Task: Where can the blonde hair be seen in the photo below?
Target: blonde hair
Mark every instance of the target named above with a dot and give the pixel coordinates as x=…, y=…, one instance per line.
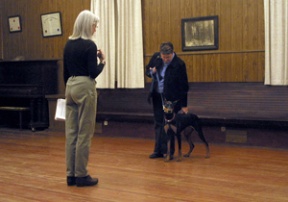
x=83, y=25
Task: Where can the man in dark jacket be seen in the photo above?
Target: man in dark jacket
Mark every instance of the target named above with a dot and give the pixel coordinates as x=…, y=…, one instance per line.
x=170, y=82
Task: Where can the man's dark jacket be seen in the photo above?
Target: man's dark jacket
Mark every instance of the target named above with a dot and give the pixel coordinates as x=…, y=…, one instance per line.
x=175, y=80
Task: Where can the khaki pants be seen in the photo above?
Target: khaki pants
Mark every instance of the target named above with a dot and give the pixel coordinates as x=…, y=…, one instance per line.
x=80, y=121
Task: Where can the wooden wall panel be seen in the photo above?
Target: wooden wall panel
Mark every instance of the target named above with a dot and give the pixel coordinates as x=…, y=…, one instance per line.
x=236, y=25
x=225, y=25
x=29, y=43
x=1, y=33
x=240, y=57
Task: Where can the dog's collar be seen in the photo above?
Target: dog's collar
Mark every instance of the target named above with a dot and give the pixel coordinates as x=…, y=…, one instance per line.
x=170, y=120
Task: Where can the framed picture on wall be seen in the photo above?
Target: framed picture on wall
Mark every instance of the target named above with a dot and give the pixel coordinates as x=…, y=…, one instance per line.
x=51, y=24
x=200, y=33
x=14, y=24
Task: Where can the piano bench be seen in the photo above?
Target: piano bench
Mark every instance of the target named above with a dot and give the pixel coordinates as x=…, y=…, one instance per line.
x=19, y=109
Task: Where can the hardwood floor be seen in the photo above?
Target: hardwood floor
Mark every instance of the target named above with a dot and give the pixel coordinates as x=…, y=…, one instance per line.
x=33, y=169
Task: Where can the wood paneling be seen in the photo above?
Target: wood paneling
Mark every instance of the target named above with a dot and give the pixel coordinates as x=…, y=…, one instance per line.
x=240, y=57
x=30, y=43
x=1, y=33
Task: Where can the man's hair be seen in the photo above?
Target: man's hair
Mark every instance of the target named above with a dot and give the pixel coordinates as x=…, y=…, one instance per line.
x=166, y=48
x=83, y=25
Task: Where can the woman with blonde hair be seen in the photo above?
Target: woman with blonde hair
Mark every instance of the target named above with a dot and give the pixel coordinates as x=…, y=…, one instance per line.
x=81, y=67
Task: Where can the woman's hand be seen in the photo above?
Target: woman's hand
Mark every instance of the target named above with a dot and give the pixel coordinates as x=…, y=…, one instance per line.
x=101, y=56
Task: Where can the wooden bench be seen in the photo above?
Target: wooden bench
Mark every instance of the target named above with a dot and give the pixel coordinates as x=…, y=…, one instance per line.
x=240, y=104
x=221, y=104
x=17, y=109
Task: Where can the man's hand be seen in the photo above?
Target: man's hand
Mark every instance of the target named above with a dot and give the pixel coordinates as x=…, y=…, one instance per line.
x=153, y=70
x=184, y=110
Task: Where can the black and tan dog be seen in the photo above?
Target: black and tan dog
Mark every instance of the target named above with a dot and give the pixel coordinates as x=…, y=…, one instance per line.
x=181, y=124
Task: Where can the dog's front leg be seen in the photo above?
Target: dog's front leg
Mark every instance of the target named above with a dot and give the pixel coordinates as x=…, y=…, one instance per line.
x=166, y=129
x=168, y=136
x=168, y=155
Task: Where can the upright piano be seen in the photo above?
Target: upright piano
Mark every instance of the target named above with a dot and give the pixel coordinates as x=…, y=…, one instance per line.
x=25, y=84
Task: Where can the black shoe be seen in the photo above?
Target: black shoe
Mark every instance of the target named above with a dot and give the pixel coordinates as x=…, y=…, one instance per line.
x=156, y=155
x=71, y=181
x=86, y=181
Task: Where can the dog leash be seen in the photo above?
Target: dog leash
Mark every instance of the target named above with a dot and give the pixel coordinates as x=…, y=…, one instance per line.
x=158, y=80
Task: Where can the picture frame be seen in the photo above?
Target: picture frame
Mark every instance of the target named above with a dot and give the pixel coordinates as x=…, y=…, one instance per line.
x=14, y=23
x=51, y=24
x=200, y=33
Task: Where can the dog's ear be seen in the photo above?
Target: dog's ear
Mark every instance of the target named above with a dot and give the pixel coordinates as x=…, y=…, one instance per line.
x=165, y=100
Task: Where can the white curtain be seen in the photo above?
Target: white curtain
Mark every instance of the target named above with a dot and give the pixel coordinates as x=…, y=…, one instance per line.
x=120, y=36
x=105, y=40
x=276, y=42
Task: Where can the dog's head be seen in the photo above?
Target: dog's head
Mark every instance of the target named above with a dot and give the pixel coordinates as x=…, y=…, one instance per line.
x=168, y=108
